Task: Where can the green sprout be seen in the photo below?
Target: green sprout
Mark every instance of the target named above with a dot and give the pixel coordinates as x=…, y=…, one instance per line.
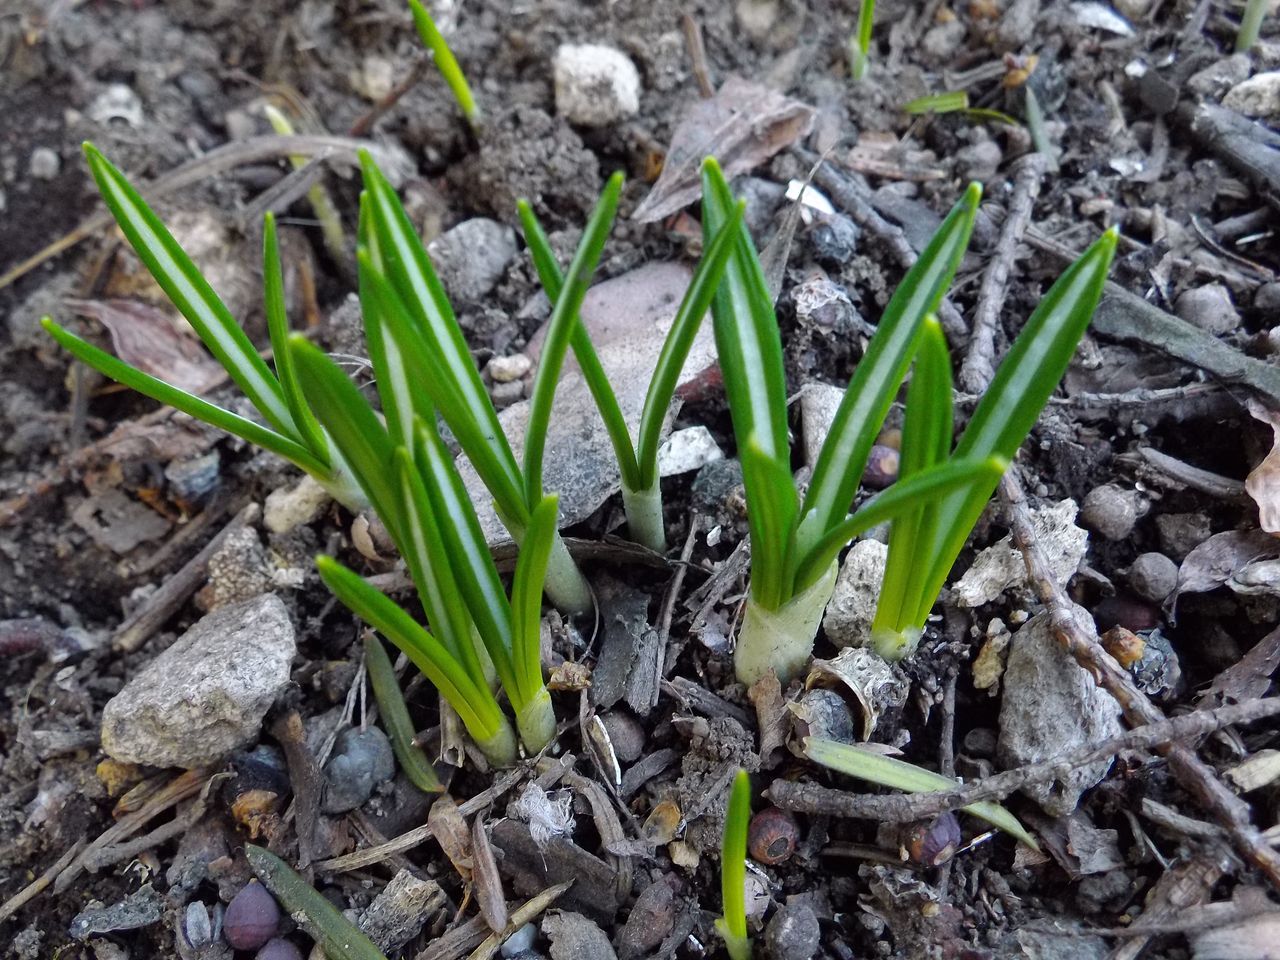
x=638, y=463
x=446, y=63
x=292, y=431
x=948, y=102
x=795, y=544
x=896, y=774
x=425, y=346
x=860, y=41
x=732, y=927
x=1251, y=24
x=924, y=542
x=335, y=239
x=395, y=717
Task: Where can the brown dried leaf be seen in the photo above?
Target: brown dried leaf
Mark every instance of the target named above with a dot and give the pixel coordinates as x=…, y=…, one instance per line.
x=489, y=894
x=742, y=126
x=450, y=831
x=146, y=337
x=771, y=717
x=1263, y=481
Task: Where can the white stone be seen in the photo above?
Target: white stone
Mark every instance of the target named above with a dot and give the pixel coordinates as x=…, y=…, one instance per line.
x=507, y=369
x=206, y=695
x=1052, y=706
x=595, y=85
x=1259, y=96
x=472, y=257
x=1001, y=566
x=288, y=508
x=847, y=621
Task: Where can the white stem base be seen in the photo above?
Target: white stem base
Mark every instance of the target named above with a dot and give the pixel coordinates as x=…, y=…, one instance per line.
x=644, y=517
x=782, y=639
x=500, y=749
x=566, y=586
x=894, y=645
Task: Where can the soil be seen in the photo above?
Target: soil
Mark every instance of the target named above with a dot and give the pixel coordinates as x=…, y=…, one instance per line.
x=103, y=498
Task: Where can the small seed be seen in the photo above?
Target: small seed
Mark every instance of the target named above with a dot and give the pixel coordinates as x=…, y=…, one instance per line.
x=772, y=836
x=251, y=918
x=1125, y=645
x=934, y=842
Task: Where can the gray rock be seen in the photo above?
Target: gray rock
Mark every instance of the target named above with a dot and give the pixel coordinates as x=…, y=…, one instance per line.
x=847, y=621
x=1266, y=299
x=1051, y=706
x=942, y=40
x=979, y=161
x=472, y=257
x=1209, y=308
x=763, y=198
x=207, y=694
x=818, y=405
x=1180, y=533
x=44, y=164
x=834, y=238
x=595, y=85
x=792, y=933
x=1259, y=96
x=1217, y=78
x=575, y=937
x=625, y=734
x=1153, y=576
x=362, y=759
x=824, y=304
x=1110, y=511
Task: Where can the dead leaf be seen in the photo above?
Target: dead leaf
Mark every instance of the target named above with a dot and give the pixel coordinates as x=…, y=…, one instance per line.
x=742, y=126
x=1097, y=850
x=1222, y=557
x=489, y=893
x=147, y=338
x=771, y=717
x=450, y=831
x=878, y=686
x=1263, y=481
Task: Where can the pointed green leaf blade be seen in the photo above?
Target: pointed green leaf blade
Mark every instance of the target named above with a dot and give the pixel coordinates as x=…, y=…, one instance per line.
x=526, y=594
x=182, y=282
x=396, y=719
x=733, y=867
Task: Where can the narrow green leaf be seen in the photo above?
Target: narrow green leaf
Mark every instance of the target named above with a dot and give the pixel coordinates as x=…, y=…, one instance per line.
x=386, y=328
x=191, y=405
x=948, y=102
x=446, y=63
x=900, y=775
x=526, y=595
x=733, y=869
x=395, y=717
x=309, y=431
x=182, y=282
x=771, y=511
x=431, y=567
x=860, y=42
x=472, y=563
x=355, y=430
x=679, y=341
x=615, y=424
x=902, y=497
x=474, y=703
x=843, y=457
x=1025, y=380
x=339, y=937
x=448, y=372
x=564, y=320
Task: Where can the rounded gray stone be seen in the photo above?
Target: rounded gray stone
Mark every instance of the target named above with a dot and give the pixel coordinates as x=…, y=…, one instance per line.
x=206, y=695
x=1153, y=576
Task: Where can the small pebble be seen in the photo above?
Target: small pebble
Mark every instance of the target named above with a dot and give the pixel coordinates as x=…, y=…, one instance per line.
x=649, y=923
x=507, y=369
x=1217, y=78
x=1153, y=576
x=979, y=161
x=1157, y=92
x=595, y=85
x=882, y=467
x=942, y=40
x=506, y=394
x=1266, y=299
x=252, y=917
x=278, y=948
x=362, y=760
x=834, y=238
x=472, y=257
x=824, y=304
x=520, y=941
x=793, y=933
x=1258, y=97
x=625, y=733
x=45, y=163
x=1180, y=533
x=1110, y=511
x=981, y=742
x=1209, y=308
x=1159, y=672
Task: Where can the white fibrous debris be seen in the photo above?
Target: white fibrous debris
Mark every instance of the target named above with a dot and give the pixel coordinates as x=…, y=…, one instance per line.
x=547, y=815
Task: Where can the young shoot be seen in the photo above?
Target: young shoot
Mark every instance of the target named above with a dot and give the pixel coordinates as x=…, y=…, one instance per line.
x=1251, y=24
x=446, y=63
x=425, y=346
x=853, y=761
x=395, y=717
x=413, y=485
x=794, y=544
x=860, y=41
x=638, y=462
x=291, y=431
x=733, y=870
x=925, y=541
